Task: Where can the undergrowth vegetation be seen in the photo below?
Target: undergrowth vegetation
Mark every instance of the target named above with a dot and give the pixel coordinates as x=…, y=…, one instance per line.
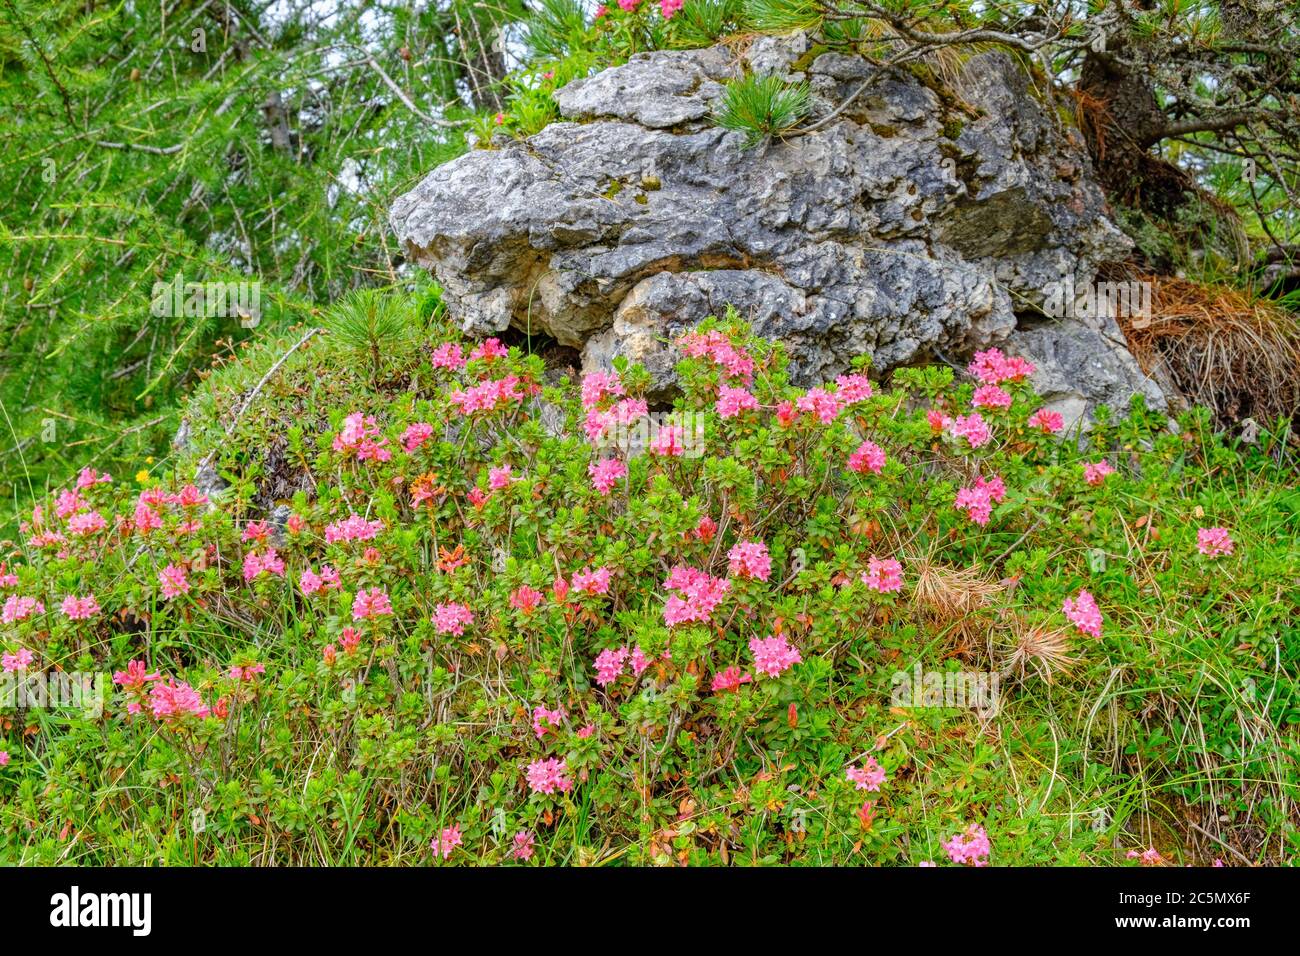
x=448, y=606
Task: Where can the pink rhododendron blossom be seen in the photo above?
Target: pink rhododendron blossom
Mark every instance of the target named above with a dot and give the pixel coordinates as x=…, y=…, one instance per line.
x=992, y=367
x=446, y=841
x=990, y=396
x=730, y=679
x=525, y=598
x=1149, y=857
x=416, y=435
x=749, y=559
x=372, y=602
x=88, y=478
x=489, y=396
x=938, y=421
x=973, y=428
x=490, y=349
x=20, y=660
x=1094, y=474
x=669, y=7
x=449, y=356
x=697, y=595
x=1048, y=422
x=256, y=564
x=499, y=478
x=591, y=582
x=522, y=846
x=818, y=401
x=4, y=758
x=358, y=437
x=87, y=523
x=978, y=499
x=1084, y=613
x=868, y=459
x=668, y=442
x=715, y=346
x=853, y=388
x=773, y=656
x=79, y=608
x=134, y=677
x=1214, y=542
x=20, y=609
x=452, y=618
x=352, y=528
x=605, y=474
x=883, y=575
x=175, y=700
x=545, y=720
x=549, y=776
x=598, y=386
x=609, y=665
x=246, y=672
x=971, y=848
x=867, y=777
x=732, y=401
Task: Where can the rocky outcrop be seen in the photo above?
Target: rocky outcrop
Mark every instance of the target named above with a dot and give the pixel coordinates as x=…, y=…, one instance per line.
x=918, y=220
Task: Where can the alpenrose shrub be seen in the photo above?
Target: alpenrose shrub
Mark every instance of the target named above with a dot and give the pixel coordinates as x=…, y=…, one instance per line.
x=486, y=633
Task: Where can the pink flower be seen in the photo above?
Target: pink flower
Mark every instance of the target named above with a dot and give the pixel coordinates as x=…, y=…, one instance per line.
x=88, y=478
x=883, y=575
x=358, y=437
x=731, y=401
x=544, y=720
x=1149, y=857
x=586, y=731
x=4, y=758
x=749, y=559
x=937, y=420
x=416, y=435
x=488, y=396
x=640, y=661
x=20, y=609
x=489, y=350
x=1095, y=474
x=730, y=679
x=371, y=603
x=971, y=848
x=601, y=11
x=669, y=7
x=867, y=777
x=1048, y=422
x=19, y=661
x=705, y=530
x=449, y=356
x=978, y=499
x=609, y=665
x=853, y=388
x=990, y=396
x=817, y=401
x=774, y=655
x=606, y=473
x=134, y=677
x=352, y=528
x=1214, y=542
x=697, y=595
x=499, y=478
x=668, y=442
x=451, y=618
x=310, y=582
x=175, y=700
x=548, y=776
x=255, y=564
x=599, y=386
x=247, y=671
x=525, y=598
x=992, y=367
x=523, y=846
x=591, y=582
x=446, y=841
x=973, y=428
x=1084, y=614
x=87, y=523
x=79, y=608
x=869, y=457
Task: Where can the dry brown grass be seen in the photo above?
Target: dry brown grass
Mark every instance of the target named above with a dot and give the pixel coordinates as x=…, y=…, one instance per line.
x=1046, y=651
x=1220, y=348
